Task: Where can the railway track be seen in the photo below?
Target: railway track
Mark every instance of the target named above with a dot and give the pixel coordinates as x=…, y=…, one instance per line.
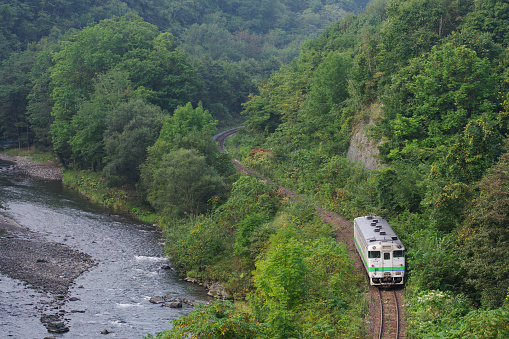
x=221, y=137
x=390, y=314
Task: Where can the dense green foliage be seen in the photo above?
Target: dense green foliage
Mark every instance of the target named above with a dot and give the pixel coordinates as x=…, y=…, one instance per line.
x=128, y=95
x=299, y=282
x=51, y=54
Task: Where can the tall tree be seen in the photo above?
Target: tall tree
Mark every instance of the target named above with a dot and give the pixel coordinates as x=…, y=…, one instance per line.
x=433, y=99
x=14, y=89
x=183, y=184
x=484, y=239
x=132, y=128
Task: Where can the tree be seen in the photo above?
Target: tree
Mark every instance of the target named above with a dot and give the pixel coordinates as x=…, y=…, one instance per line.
x=39, y=104
x=322, y=116
x=14, y=89
x=186, y=120
x=90, y=52
x=433, y=100
x=474, y=151
x=89, y=124
x=490, y=16
x=188, y=128
x=484, y=238
x=281, y=283
x=128, y=44
x=131, y=129
x=183, y=184
x=414, y=26
x=163, y=69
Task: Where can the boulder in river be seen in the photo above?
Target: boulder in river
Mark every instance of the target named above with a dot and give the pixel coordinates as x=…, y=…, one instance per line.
x=173, y=304
x=57, y=327
x=157, y=300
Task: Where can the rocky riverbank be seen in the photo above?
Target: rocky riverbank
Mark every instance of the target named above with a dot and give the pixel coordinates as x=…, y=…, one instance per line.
x=42, y=265
x=48, y=171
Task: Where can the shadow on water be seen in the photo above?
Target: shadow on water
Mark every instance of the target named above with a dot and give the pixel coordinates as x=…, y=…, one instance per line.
x=113, y=295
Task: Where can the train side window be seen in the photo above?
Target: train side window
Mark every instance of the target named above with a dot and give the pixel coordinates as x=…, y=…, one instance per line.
x=387, y=256
x=373, y=254
x=398, y=254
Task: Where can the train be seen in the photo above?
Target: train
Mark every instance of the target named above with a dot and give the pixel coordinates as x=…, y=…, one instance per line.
x=381, y=251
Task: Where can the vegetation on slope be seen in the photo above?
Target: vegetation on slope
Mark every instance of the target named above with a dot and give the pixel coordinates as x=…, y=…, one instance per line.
x=439, y=73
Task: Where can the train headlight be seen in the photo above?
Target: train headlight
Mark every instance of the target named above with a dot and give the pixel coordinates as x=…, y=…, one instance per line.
x=399, y=246
x=374, y=247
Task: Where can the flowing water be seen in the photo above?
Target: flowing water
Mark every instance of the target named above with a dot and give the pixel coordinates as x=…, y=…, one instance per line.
x=114, y=294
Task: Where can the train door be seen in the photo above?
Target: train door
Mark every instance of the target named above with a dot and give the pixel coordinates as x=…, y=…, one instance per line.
x=387, y=261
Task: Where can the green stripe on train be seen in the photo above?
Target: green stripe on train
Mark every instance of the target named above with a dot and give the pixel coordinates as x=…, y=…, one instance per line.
x=388, y=269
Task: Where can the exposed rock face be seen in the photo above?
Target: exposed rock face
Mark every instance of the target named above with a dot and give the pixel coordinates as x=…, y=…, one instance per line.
x=362, y=149
x=218, y=291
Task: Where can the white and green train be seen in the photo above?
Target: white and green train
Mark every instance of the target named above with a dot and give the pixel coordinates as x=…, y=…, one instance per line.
x=381, y=251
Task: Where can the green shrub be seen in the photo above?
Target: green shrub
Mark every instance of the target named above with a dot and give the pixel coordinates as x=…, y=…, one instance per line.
x=183, y=184
x=195, y=243
x=433, y=311
x=219, y=320
x=486, y=324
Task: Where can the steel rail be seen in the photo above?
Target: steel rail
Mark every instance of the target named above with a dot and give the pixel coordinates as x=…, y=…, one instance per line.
x=397, y=313
x=381, y=315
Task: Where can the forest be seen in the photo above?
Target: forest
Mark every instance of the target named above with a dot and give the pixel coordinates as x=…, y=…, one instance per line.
x=127, y=96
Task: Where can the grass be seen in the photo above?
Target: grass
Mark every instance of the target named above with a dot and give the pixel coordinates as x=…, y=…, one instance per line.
x=35, y=154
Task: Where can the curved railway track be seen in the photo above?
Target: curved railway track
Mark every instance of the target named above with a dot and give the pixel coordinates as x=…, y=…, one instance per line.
x=221, y=137
x=386, y=314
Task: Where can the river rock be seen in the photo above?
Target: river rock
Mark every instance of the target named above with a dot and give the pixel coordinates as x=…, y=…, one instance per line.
x=173, y=304
x=57, y=327
x=157, y=300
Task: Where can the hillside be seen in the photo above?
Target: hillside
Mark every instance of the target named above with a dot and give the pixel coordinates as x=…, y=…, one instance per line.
x=427, y=82
x=230, y=46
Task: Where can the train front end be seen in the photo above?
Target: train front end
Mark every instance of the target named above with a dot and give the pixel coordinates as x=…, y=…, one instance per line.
x=386, y=263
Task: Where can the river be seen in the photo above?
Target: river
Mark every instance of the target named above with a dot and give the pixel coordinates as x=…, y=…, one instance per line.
x=113, y=295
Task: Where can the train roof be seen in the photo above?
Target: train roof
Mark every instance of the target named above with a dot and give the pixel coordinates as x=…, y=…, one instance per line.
x=376, y=229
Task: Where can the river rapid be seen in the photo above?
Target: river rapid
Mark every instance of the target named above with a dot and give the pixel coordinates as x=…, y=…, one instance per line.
x=112, y=295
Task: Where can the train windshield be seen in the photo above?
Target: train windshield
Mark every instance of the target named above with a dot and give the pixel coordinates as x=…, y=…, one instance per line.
x=373, y=254
x=398, y=254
